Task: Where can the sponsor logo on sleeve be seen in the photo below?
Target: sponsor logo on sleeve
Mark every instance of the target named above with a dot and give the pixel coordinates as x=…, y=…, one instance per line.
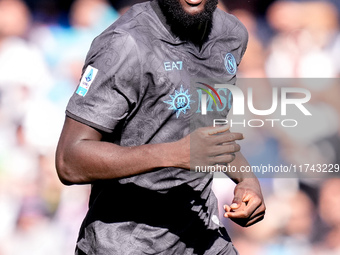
x=86, y=80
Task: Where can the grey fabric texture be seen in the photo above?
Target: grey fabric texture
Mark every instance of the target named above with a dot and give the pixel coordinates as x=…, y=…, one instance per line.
x=140, y=68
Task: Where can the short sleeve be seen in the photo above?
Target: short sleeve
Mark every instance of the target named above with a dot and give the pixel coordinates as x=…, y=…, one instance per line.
x=110, y=84
x=240, y=32
x=244, y=40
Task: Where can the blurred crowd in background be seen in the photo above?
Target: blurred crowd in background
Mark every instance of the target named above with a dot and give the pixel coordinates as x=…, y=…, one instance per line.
x=43, y=45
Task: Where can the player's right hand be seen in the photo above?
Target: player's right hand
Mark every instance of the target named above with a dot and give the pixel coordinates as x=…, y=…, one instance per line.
x=208, y=146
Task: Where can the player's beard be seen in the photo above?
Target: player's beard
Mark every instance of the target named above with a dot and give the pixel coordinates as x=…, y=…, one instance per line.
x=186, y=25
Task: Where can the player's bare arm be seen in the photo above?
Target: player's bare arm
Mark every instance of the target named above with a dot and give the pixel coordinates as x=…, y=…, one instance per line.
x=82, y=157
x=248, y=206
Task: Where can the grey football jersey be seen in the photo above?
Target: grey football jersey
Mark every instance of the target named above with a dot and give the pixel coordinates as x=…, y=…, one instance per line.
x=135, y=88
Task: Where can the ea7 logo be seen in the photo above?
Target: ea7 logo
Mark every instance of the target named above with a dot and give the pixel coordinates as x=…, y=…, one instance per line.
x=171, y=66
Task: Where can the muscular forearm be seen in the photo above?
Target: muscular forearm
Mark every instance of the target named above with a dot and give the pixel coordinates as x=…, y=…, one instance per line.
x=83, y=158
x=239, y=176
x=89, y=161
x=247, y=207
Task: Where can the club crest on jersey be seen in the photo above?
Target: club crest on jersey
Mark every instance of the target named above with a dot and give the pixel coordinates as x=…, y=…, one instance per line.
x=86, y=80
x=179, y=102
x=230, y=63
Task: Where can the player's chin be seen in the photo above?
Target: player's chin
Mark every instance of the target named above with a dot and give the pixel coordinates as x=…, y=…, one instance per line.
x=193, y=7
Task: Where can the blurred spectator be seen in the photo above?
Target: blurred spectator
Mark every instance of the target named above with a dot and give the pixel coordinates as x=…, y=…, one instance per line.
x=65, y=48
x=38, y=72
x=303, y=44
x=123, y=5
x=303, y=47
x=24, y=73
x=23, y=78
x=329, y=211
x=34, y=233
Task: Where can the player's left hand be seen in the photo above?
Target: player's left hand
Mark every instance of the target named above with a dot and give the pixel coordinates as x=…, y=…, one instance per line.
x=247, y=207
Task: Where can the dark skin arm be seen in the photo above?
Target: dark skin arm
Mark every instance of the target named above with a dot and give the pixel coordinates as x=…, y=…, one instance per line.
x=248, y=206
x=82, y=157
